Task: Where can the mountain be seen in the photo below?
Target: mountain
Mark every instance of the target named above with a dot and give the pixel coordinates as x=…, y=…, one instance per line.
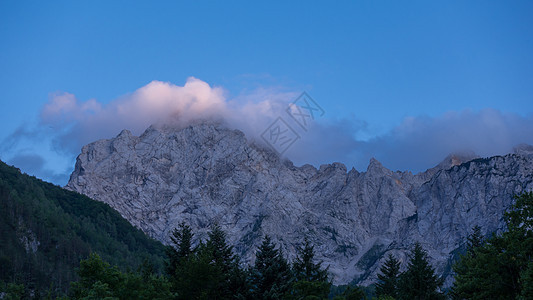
x=206, y=174
x=45, y=231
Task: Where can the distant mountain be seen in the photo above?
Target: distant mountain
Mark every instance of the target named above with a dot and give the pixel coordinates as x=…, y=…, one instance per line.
x=206, y=174
x=45, y=231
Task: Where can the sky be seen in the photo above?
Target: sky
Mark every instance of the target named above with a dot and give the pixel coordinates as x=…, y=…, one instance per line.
x=406, y=83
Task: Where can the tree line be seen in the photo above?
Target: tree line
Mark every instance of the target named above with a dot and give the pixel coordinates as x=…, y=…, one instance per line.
x=497, y=267
x=210, y=270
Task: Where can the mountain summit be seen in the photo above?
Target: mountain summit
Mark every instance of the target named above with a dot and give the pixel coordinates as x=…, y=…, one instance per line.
x=207, y=174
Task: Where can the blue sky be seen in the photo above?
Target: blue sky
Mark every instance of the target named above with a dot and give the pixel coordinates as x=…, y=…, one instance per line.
x=392, y=77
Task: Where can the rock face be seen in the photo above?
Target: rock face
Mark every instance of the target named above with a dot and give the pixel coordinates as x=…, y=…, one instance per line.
x=206, y=174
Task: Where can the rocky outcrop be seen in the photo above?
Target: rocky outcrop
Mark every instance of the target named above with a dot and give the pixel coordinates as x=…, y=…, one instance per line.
x=206, y=174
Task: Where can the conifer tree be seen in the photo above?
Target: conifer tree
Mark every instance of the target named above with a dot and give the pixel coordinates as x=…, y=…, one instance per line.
x=181, y=248
x=231, y=280
x=474, y=240
x=388, y=278
x=419, y=281
x=304, y=266
x=179, y=254
x=221, y=252
x=197, y=275
x=464, y=267
x=270, y=275
x=211, y=271
x=311, y=280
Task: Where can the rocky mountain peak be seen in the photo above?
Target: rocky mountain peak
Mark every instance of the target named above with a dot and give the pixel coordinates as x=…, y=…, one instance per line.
x=207, y=174
x=524, y=150
x=457, y=159
x=374, y=163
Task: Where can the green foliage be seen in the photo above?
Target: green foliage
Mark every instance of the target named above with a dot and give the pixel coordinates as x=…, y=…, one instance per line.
x=100, y=280
x=12, y=291
x=385, y=297
x=182, y=239
x=419, y=281
x=464, y=284
x=311, y=280
x=500, y=267
x=526, y=278
x=178, y=254
x=388, y=278
x=271, y=275
x=45, y=231
x=225, y=265
x=198, y=278
x=304, y=289
x=211, y=271
x=304, y=267
x=474, y=240
x=351, y=293
x=520, y=215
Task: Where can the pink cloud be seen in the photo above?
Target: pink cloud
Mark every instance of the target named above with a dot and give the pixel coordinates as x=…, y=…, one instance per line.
x=156, y=102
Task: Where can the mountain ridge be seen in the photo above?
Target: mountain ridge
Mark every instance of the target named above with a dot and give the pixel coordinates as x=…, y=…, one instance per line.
x=205, y=174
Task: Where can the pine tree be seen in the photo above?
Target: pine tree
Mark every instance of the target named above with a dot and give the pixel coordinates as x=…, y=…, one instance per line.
x=181, y=239
x=311, y=280
x=179, y=255
x=419, y=281
x=221, y=252
x=305, y=268
x=197, y=275
x=231, y=280
x=464, y=267
x=211, y=271
x=270, y=275
x=388, y=278
x=474, y=240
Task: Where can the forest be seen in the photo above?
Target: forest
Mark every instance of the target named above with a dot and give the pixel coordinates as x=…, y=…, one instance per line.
x=45, y=231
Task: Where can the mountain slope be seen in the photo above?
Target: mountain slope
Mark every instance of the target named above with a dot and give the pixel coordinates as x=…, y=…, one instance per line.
x=45, y=231
x=206, y=174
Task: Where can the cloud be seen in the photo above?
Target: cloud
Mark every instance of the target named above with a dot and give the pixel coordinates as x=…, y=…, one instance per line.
x=77, y=123
x=328, y=141
x=418, y=143
x=421, y=142
x=66, y=123
x=34, y=164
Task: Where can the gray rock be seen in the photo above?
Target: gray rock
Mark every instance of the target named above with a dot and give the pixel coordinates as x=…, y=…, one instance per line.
x=206, y=174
